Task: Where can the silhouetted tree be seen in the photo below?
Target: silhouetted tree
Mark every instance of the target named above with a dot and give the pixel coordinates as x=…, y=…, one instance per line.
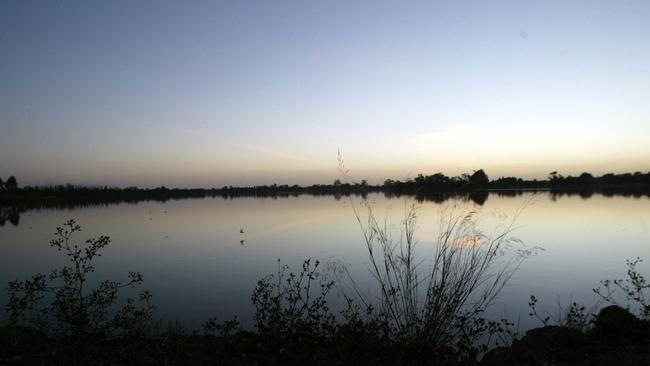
x=479, y=179
x=586, y=176
x=11, y=184
x=2, y=185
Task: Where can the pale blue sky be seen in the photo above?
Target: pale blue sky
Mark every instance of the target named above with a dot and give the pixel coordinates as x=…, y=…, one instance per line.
x=241, y=92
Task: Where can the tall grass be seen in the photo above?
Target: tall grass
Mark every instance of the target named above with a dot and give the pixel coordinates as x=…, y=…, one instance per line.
x=437, y=299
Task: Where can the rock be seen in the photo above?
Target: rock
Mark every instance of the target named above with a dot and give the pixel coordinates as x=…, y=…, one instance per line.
x=539, y=343
x=614, y=322
x=497, y=356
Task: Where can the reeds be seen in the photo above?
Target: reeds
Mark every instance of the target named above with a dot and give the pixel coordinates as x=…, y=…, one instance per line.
x=439, y=299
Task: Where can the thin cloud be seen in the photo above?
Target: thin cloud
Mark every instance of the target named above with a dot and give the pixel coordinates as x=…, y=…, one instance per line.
x=268, y=151
x=451, y=136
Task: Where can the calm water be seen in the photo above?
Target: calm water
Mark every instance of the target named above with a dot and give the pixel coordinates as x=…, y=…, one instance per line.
x=191, y=256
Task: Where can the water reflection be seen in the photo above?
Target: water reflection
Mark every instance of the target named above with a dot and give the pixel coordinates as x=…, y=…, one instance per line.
x=201, y=257
x=10, y=213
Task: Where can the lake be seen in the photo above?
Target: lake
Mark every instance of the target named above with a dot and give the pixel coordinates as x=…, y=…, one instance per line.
x=195, y=263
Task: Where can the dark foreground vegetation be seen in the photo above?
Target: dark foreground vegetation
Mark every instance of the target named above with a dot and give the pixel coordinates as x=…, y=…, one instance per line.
x=419, y=315
x=615, y=338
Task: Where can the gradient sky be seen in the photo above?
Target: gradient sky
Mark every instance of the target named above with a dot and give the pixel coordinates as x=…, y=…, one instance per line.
x=239, y=92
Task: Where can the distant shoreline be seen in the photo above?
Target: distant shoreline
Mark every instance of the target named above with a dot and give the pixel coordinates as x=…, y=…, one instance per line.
x=13, y=205
x=157, y=194
x=436, y=186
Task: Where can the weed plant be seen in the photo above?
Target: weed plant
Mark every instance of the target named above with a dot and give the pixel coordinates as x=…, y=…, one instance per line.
x=62, y=303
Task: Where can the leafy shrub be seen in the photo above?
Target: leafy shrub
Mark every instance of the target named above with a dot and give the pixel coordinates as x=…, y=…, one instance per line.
x=576, y=316
x=634, y=288
x=294, y=303
x=62, y=303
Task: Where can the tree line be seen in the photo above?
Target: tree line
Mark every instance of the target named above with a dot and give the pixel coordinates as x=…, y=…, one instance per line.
x=422, y=185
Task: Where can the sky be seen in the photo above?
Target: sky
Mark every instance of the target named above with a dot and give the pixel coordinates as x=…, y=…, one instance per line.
x=213, y=93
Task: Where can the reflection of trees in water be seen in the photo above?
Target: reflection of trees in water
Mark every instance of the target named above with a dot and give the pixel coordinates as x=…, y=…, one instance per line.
x=11, y=212
x=478, y=197
x=606, y=192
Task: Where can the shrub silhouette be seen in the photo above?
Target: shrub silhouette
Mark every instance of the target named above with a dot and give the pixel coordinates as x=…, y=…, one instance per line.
x=634, y=287
x=575, y=316
x=434, y=309
x=61, y=303
x=291, y=304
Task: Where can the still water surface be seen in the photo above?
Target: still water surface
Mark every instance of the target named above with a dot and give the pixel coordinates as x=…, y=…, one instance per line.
x=194, y=262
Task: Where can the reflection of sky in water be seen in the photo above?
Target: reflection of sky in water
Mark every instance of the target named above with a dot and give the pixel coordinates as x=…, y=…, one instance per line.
x=192, y=259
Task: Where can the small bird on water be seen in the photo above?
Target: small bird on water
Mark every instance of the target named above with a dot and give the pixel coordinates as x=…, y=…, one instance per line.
x=241, y=231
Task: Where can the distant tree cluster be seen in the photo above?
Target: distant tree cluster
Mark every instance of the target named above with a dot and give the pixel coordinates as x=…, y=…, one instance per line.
x=438, y=182
x=517, y=183
x=336, y=188
x=105, y=193
x=11, y=185
x=587, y=180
